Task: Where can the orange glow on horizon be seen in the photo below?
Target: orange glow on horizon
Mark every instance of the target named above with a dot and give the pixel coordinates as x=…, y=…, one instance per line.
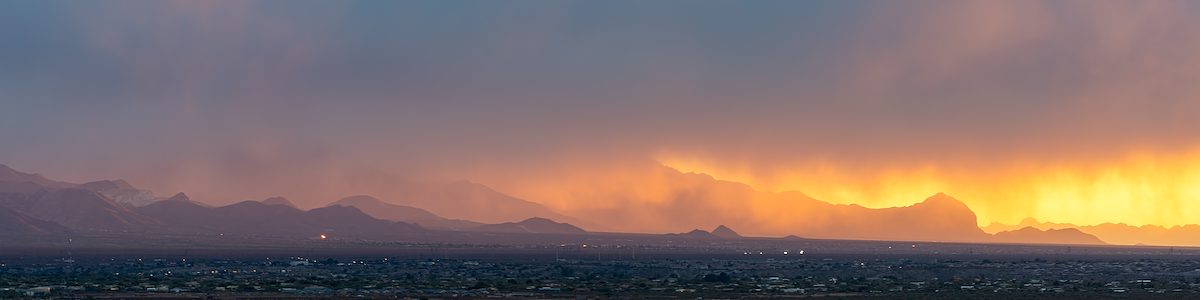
x=1138, y=189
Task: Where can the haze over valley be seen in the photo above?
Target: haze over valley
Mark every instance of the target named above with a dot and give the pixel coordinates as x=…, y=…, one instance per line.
x=36, y=205
x=618, y=149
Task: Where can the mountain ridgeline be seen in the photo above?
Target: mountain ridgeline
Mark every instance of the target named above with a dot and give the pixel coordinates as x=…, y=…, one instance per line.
x=31, y=204
x=402, y=213
x=1117, y=233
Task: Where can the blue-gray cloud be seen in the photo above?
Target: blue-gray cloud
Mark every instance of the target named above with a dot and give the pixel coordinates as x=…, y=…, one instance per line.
x=146, y=87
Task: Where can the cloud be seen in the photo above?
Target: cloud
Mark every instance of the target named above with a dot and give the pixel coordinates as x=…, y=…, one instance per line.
x=874, y=103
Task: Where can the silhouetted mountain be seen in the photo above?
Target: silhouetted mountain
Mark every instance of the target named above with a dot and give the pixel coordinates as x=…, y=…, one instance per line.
x=9, y=175
x=681, y=201
x=13, y=222
x=30, y=203
x=696, y=233
x=13, y=181
x=38, y=203
x=401, y=213
x=467, y=200
x=76, y=208
x=179, y=211
x=996, y=227
x=726, y=233
x=253, y=217
x=1123, y=234
x=1030, y=235
x=104, y=185
x=20, y=187
x=121, y=192
x=346, y=220
x=938, y=218
x=278, y=201
x=531, y=225
x=179, y=197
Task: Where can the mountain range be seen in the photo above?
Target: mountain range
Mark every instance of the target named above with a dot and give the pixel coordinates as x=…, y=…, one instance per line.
x=1032, y=235
x=725, y=232
x=76, y=208
x=402, y=213
x=466, y=200
x=14, y=222
x=689, y=200
x=721, y=232
x=1119, y=233
x=33, y=204
x=121, y=192
x=532, y=225
x=180, y=214
x=278, y=201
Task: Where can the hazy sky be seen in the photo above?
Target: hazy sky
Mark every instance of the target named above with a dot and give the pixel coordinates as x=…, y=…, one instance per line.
x=1076, y=111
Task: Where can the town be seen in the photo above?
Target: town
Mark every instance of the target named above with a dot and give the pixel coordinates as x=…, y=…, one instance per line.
x=722, y=276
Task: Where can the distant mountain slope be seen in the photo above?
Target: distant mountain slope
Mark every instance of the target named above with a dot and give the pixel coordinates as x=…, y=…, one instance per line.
x=346, y=220
x=1030, y=235
x=20, y=187
x=996, y=227
x=458, y=201
x=682, y=201
x=253, y=217
x=33, y=203
x=938, y=218
x=77, y=208
x=13, y=222
x=278, y=201
x=121, y=192
x=9, y=175
x=467, y=200
x=180, y=212
x=400, y=213
x=1123, y=234
x=103, y=185
x=37, y=198
x=725, y=233
x=696, y=234
x=182, y=197
x=531, y=225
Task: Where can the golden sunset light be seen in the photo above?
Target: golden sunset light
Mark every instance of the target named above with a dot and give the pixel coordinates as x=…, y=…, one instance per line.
x=1134, y=189
x=618, y=149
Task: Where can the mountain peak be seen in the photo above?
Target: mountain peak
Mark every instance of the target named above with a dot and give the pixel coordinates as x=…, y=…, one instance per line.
x=10, y=174
x=943, y=200
x=536, y=220
x=699, y=233
x=940, y=196
x=350, y=200
x=533, y=225
x=107, y=185
x=277, y=200
x=1032, y=235
x=5, y=169
x=179, y=197
x=123, y=184
x=726, y=233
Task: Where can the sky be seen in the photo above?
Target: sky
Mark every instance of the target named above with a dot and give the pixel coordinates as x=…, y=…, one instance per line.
x=1066, y=111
